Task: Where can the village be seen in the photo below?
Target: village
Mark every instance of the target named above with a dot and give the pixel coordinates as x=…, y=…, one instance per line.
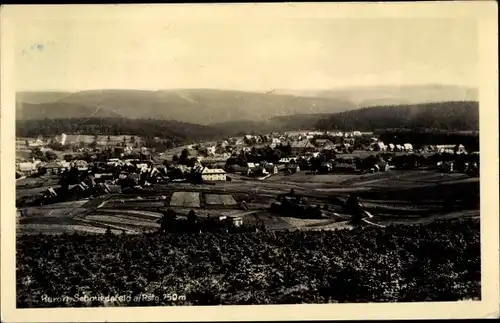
x=102, y=166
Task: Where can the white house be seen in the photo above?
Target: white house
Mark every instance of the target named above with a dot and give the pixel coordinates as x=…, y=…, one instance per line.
x=275, y=141
x=460, y=149
x=270, y=168
x=208, y=174
x=287, y=160
x=408, y=147
x=27, y=166
x=251, y=165
x=379, y=146
x=391, y=147
x=36, y=143
x=237, y=221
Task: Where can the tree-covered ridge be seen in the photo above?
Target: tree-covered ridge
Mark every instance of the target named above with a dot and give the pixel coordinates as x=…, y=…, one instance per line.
x=452, y=116
x=115, y=127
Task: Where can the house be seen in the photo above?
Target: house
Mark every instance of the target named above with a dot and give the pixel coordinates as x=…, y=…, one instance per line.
x=349, y=141
x=293, y=168
x=275, y=141
x=28, y=167
x=313, y=154
x=323, y=142
x=286, y=160
x=391, y=147
x=302, y=147
x=399, y=147
x=78, y=188
x=271, y=168
x=328, y=147
x=382, y=166
x=460, y=149
x=237, y=221
x=49, y=193
x=408, y=147
x=379, y=146
x=216, y=174
x=53, y=168
x=445, y=149
x=36, y=143
x=251, y=165
x=79, y=164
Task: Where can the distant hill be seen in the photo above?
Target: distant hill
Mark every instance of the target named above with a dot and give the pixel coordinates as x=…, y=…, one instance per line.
x=199, y=106
x=456, y=116
x=366, y=96
x=59, y=110
x=40, y=97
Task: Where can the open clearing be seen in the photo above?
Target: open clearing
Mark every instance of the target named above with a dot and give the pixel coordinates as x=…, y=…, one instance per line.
x=185, y=199
x=219, y=199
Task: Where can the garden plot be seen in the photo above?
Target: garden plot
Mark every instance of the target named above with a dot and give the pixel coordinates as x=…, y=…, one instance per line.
x=220, y=199
x=185, y=199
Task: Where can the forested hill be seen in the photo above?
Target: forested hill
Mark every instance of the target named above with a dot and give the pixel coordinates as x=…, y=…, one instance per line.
x=176, y=131
x=200, y=106
x=453, y=116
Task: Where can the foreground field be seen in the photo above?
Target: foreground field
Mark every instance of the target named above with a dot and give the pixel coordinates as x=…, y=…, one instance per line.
x=434, y=262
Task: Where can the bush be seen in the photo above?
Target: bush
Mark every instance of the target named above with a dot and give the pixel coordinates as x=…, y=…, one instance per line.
x=434, y=262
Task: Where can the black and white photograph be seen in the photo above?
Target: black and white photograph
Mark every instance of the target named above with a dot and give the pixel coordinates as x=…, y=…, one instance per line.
x=250, y=154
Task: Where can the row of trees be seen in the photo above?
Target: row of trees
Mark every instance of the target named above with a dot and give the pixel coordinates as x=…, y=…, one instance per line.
x=176, y=133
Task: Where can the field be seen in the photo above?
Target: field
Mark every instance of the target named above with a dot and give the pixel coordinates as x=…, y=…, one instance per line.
x=394, y=197
x=219, y=199
x=185, y=199
x=433, y=262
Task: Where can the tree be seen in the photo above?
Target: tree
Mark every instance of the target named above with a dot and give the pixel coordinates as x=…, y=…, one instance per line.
x=192, y=218
x=167, y=221
x=68, y=157
x=175, y=158
x=184, y=155
x=37, y=153
x=50, y=155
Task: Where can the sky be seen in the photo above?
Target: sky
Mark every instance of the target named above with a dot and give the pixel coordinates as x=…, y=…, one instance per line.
x=54, y=52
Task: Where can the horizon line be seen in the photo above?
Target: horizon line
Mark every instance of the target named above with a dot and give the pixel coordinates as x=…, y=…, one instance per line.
x=251, y=91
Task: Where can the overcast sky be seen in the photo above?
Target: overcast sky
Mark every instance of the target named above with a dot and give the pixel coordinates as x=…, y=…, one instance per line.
x=60, y=53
